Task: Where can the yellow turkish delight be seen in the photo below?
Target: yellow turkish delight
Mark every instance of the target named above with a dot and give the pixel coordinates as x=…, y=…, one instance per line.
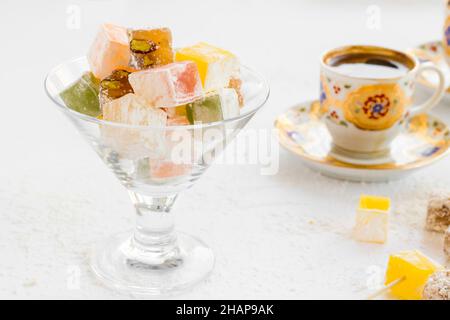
x=414, y=268
x=372, y=219
x=216, y=66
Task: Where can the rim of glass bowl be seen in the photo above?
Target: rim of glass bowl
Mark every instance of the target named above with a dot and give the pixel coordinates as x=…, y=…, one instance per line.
x=264, y=91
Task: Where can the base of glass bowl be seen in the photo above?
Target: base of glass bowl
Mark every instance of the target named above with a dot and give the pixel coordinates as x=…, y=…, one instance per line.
x=113, y=262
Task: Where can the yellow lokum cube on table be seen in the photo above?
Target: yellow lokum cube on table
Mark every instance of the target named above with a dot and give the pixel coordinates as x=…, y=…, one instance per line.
x=372, y=219
x=414, y=268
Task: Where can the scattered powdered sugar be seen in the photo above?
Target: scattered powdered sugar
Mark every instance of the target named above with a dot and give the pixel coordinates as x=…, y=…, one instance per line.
x=410, y=202
x=272, y=236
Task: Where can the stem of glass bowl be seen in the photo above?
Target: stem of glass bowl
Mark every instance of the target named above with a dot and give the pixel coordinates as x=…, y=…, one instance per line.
x=154, y=242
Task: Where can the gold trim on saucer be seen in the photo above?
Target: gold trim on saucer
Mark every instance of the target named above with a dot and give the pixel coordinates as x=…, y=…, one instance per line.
x=423, y=140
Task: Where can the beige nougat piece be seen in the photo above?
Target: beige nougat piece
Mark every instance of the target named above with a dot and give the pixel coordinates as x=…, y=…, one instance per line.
x=438, y=286
x=447, y=243
x=438, y=217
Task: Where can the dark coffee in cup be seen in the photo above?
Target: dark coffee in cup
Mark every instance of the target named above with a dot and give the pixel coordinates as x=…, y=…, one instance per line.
x=369, y=66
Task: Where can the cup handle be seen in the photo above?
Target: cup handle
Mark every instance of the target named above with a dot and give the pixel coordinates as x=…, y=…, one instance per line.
x=437, y=95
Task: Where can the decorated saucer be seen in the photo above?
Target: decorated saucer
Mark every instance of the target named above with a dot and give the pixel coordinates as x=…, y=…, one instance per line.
x=423, y=140
x=432, y=52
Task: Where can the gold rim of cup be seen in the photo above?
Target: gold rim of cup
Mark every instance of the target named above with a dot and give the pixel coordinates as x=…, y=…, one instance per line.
x=404, y=58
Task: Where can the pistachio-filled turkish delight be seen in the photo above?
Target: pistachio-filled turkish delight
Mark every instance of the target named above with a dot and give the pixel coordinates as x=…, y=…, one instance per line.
x=115, y=86
x=150, y=48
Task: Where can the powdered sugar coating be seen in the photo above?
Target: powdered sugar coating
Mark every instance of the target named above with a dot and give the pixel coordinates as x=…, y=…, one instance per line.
x=168, y=86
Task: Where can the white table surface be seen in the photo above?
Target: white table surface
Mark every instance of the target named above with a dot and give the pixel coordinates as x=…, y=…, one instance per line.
x=280, y=236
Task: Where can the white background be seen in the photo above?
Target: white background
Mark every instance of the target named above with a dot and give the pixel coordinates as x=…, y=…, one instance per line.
x=280, y=236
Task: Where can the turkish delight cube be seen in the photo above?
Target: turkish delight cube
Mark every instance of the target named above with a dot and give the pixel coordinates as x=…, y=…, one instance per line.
x=236, y=84
x=137, y=141
x=114, y=86
x=150, y=48
x=177, y=116
x=82, y=96
x=413, y=269
x=214, y=106
x=229, y=103
x=109, y=51
x=372, y=219
x=216, y=66
x=132, y=109
x=163, y=170
x=168, y=86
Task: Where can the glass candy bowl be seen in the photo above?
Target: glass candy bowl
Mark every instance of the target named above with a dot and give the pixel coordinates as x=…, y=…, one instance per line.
x=154, y=164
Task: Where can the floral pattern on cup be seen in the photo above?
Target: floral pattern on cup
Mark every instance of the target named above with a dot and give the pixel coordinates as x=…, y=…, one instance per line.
x=331, y=92
x=326, y=97
x=335, y=117
x=364, y=114
x=446, y=40
x=323, y=94
x=375, y=107
x=447, y=33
